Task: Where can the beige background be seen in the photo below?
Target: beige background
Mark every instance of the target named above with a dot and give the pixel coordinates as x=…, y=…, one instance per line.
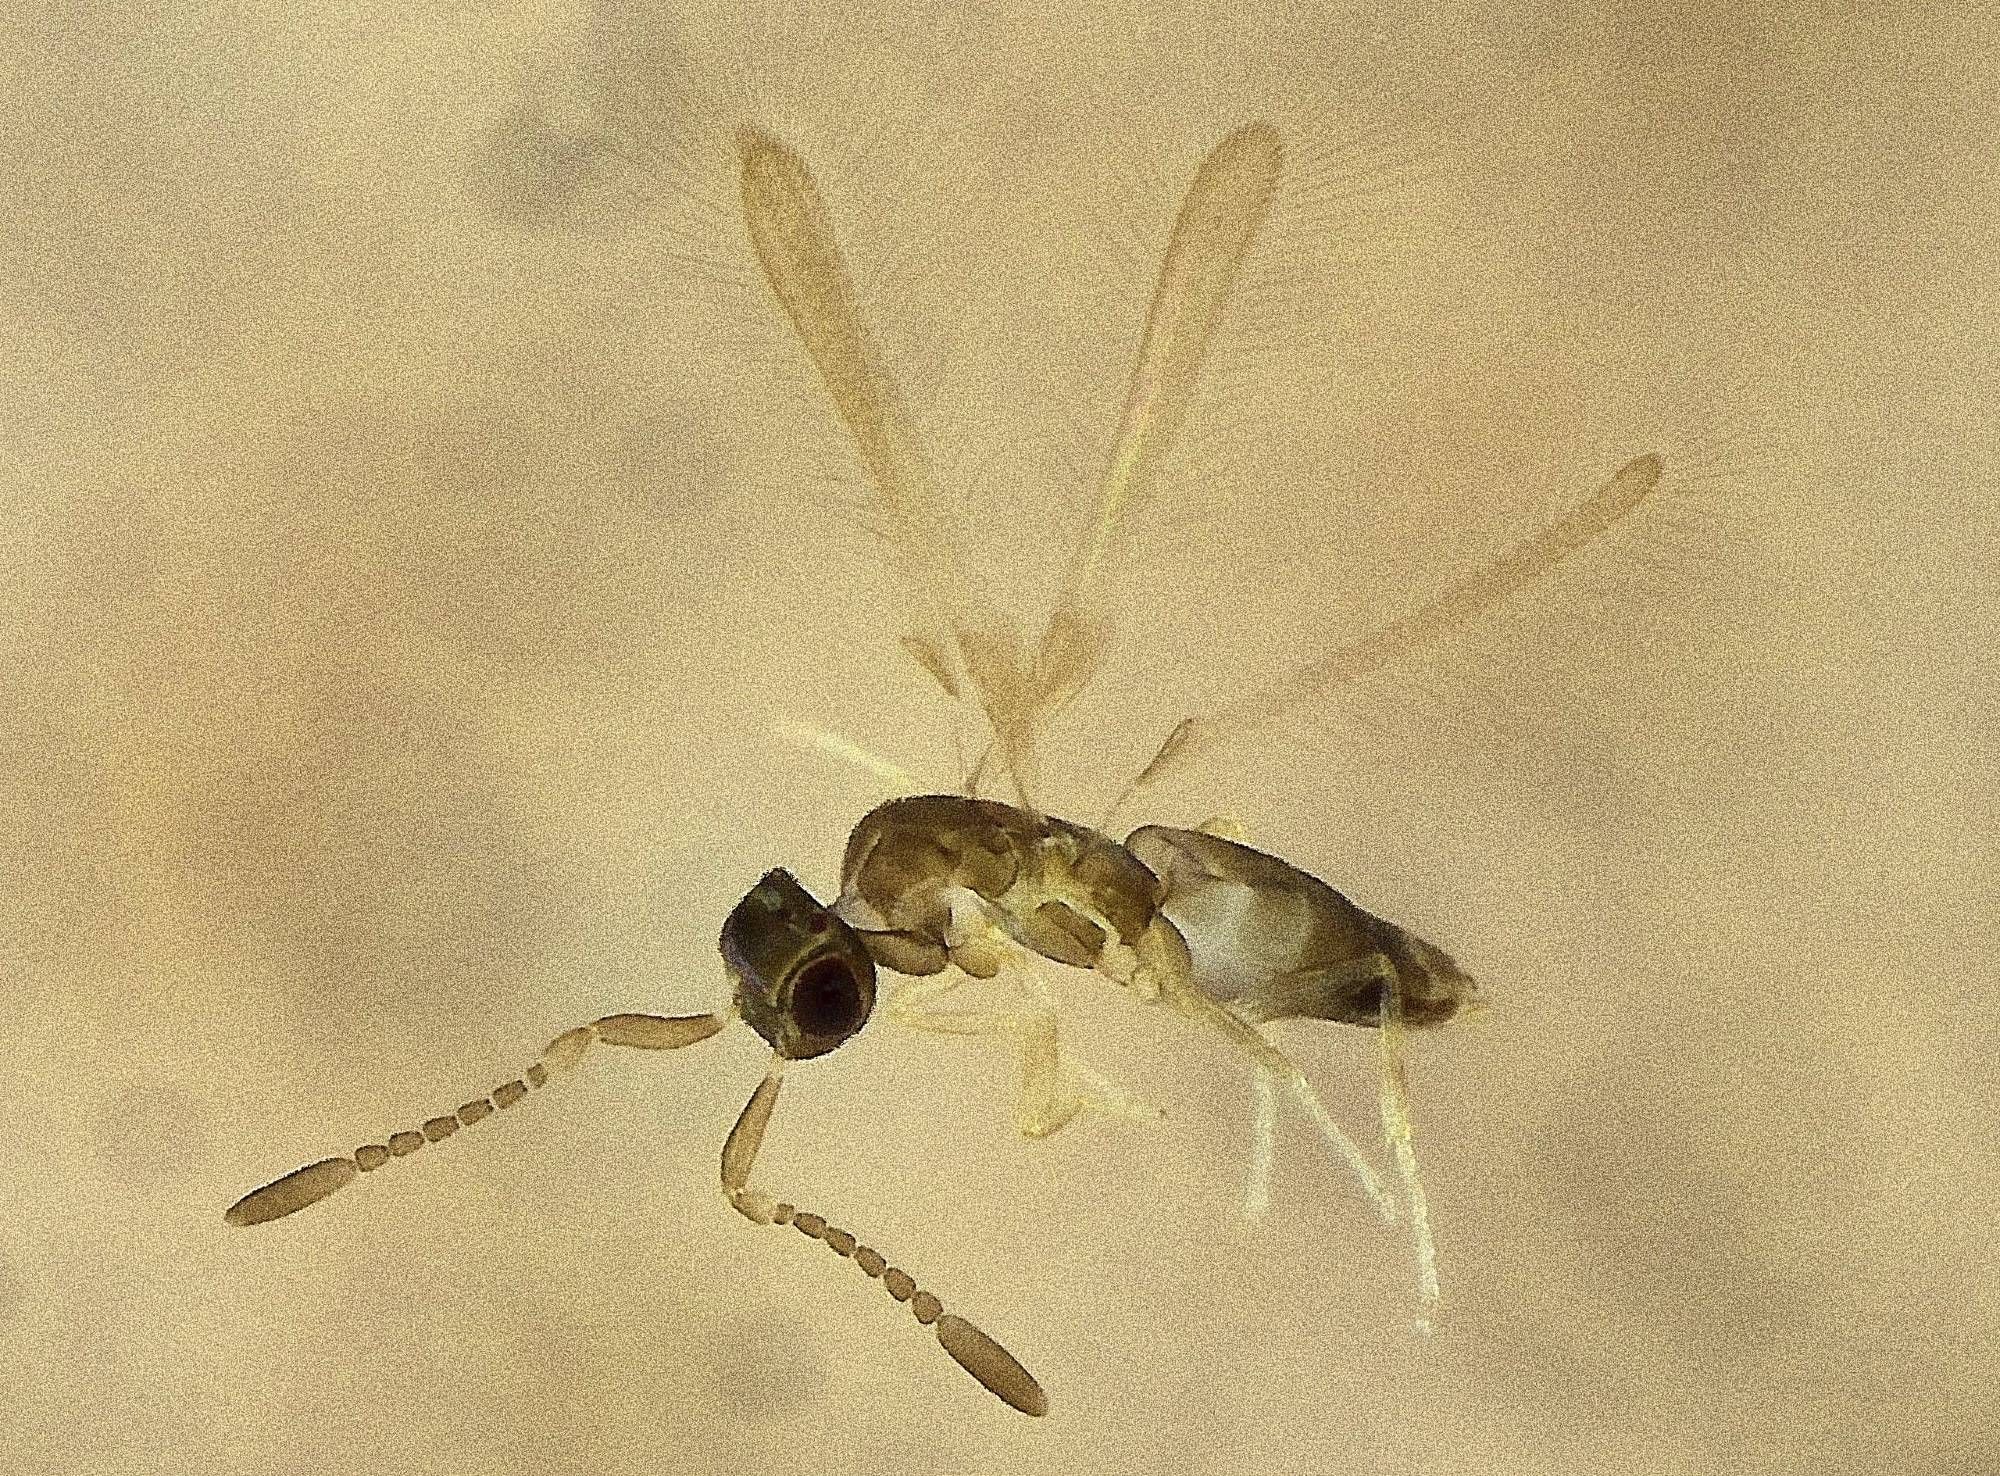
x=417, y=520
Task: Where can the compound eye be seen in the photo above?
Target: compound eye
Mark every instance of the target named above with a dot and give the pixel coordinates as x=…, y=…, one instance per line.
x=827, y=1001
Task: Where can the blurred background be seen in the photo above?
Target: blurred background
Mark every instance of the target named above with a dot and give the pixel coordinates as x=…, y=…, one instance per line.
x=417, y=524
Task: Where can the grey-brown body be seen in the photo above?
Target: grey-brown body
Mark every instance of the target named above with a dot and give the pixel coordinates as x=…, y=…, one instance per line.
x=937, y=879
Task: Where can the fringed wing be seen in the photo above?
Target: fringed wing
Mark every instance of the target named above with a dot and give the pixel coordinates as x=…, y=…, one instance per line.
x=1217, y=223
x=1457, y=606
x=956, y=640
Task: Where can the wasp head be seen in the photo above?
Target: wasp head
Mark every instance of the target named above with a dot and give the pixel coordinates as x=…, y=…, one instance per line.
x=802, y=978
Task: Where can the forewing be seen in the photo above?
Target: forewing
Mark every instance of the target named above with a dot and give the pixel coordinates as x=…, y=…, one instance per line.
x=956, y=639
x=1218, y=221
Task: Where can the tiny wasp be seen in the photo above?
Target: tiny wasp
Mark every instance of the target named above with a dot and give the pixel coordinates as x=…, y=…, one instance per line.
x=942, y=888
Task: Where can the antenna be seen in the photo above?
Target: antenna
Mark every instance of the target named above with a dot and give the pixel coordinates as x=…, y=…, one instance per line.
x=309, y=1185
x=979, y=1355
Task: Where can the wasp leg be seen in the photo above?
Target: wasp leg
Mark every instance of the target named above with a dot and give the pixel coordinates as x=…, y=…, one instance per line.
x=893, y=776
x=1395, y=1108
x=1177, y=989
x=1264, y=1130
x=1048, y=1102
x=1054, y=1088
x=906, y=1003
x=1393, y=1100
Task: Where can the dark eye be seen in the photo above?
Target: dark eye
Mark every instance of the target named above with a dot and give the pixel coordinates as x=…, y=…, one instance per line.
x=826, y=1000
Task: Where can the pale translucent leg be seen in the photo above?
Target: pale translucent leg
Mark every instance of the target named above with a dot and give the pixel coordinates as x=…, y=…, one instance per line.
x=1264, y=1131
x=1267, y=1058
x=1371, y=1182
x=1397, y=1131
x=1396, y=1127
x=1053, y=1088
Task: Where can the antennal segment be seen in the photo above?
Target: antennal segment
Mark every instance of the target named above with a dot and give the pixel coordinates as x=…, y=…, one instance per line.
x=979, y=1355
x=314, y=1182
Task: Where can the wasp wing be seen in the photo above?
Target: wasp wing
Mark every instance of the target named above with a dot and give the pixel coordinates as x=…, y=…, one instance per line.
x=1460, y=603
x=1218, y=220
x=957, y=639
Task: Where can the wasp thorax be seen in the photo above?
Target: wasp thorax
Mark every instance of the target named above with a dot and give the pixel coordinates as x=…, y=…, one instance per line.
x=803, y=980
